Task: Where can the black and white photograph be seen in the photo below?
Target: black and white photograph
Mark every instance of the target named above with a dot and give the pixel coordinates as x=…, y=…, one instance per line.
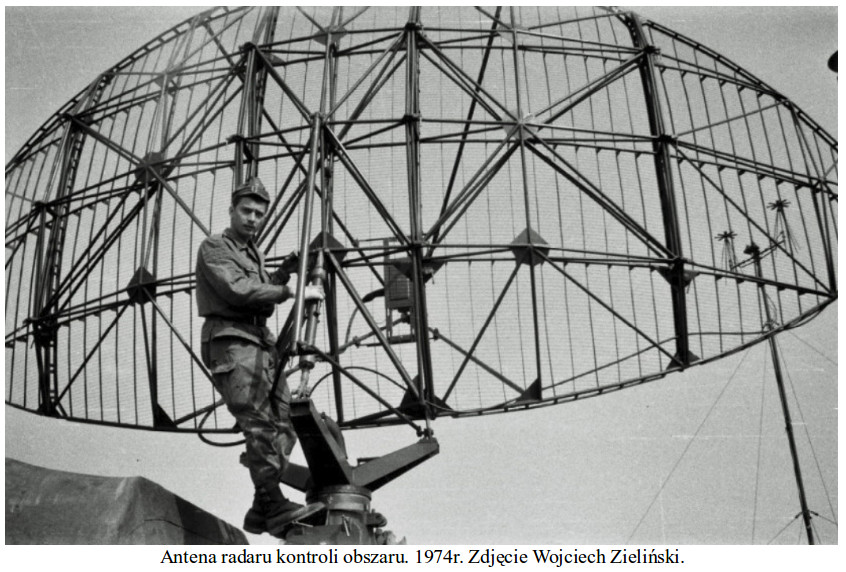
x=463, y=276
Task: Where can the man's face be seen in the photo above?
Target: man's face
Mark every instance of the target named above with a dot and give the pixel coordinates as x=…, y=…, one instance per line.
x=245, y=217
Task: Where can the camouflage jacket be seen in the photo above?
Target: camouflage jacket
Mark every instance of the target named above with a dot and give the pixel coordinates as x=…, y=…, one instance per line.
x=234, y=289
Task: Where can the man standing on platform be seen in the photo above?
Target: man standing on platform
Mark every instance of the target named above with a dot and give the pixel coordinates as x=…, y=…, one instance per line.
x=236, y=295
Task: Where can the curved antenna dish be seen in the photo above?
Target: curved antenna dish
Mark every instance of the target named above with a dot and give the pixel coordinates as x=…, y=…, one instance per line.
x=513, y=208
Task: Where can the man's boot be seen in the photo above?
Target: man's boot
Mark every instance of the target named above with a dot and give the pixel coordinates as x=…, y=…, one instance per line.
x=272, y=512
x=254, y=520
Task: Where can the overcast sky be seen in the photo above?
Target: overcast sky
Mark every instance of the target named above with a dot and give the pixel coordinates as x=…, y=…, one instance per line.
x=587, y=472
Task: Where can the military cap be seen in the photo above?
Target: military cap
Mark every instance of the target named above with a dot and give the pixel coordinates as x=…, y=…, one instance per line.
x=252, y=187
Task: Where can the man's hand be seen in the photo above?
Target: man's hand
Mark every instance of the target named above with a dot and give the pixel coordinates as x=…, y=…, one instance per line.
x=287, y=267
x=314, y=293
x=290, y=262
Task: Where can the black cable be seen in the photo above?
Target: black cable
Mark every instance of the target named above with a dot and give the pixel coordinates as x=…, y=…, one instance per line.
x=207, y=441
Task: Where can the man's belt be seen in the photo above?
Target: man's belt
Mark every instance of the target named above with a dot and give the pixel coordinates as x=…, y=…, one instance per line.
x=258, y=321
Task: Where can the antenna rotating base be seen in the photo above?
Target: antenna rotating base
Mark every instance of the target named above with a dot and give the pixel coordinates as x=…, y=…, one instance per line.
x=345, y=490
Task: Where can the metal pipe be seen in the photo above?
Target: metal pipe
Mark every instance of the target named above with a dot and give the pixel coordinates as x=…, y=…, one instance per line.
x=50, y=250
x=521, y=132
x=306, y=230
x=666, y=191
x=412, y=137
x=785, y=409
x=328, y=187
x=317, y=275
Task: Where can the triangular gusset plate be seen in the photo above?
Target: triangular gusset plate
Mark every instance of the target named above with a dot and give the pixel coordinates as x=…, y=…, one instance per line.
x=528, y=246
x=677, y=361
x=332, y=244
x=411, y=406
x=532, y=393
x=142, y=286
x=687, y=276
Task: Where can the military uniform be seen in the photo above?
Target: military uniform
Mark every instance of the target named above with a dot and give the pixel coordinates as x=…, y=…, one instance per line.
x=236, y=295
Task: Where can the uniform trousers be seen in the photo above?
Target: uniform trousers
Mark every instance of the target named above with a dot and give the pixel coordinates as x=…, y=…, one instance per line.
x=243, y=373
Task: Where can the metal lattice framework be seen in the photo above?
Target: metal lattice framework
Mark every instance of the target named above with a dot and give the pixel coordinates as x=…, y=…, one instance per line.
x=513, y=207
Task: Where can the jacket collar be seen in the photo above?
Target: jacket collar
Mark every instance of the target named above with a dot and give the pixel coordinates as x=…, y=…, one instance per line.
x=248, y=248
x=230, y=235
